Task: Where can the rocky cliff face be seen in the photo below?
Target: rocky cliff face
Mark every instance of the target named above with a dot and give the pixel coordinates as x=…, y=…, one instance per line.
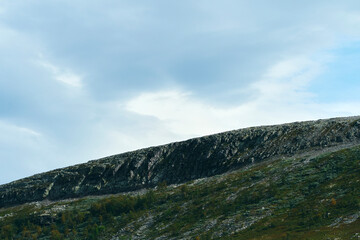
x=183, y=161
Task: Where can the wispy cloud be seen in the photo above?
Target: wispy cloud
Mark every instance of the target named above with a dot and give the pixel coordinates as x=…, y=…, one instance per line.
x=8, y=131
x=281, y=95
x=187, y=116
x=63, y=75
x=179, y=111
x=18, y=147
x=287, y=80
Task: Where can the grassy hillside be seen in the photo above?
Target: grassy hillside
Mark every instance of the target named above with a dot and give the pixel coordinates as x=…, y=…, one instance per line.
x=292, y=198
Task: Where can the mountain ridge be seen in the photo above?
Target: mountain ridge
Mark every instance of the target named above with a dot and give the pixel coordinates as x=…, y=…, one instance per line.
x=183, y=161
x=292, y=181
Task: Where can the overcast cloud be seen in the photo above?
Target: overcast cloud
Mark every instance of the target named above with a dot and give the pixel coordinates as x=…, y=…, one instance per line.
x=80, y=80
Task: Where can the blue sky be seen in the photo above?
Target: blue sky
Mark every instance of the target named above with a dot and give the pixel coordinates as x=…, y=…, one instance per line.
x=80, y=80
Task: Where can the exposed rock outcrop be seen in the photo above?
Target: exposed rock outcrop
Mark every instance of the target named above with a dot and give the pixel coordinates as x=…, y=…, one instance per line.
x=183, y=161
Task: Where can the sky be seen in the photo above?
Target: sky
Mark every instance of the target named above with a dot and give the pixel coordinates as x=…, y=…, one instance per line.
x=84, y=79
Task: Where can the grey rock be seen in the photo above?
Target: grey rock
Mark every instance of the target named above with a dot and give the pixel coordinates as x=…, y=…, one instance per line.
x=183, y=161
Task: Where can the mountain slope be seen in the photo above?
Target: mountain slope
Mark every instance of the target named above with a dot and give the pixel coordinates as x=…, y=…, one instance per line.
x=184, y=161
x=303, y=197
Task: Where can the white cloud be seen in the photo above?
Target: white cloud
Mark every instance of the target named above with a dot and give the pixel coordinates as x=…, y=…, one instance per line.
x=70, y=79
x=287, y=68
x=65, y=76
x=187, y=116
x=280, y=96
x=287, y=80
x=11, y=132
x=24, y=151
x=181, y=113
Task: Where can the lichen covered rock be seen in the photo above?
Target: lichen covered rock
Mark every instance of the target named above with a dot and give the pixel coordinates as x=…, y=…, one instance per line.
x=183, y=161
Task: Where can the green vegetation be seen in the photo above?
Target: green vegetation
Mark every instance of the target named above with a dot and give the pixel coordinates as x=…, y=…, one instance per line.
x=299, y=198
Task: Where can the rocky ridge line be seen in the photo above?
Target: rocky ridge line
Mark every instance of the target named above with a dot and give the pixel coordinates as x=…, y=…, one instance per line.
x=183, y=161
